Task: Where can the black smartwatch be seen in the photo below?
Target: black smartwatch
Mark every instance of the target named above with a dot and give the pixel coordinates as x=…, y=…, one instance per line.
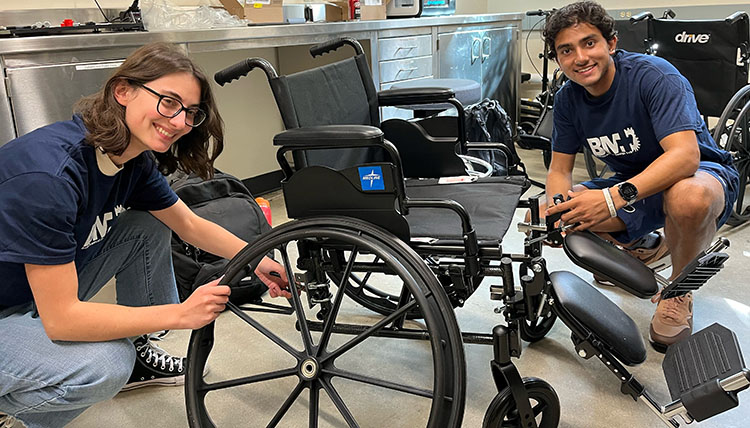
x=628, y=192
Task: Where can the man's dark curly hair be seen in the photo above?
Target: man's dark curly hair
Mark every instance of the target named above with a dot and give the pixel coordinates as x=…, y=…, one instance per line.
x=575, y=13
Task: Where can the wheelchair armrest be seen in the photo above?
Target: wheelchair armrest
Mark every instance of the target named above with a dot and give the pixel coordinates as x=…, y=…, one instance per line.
x=412, y=96
x=330, y=136
x=535, y=141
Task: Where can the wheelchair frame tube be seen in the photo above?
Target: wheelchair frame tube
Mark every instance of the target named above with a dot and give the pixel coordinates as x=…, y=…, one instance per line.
x=471, y=245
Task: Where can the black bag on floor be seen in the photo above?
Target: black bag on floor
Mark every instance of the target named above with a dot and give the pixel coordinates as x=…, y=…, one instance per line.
x=225, y=201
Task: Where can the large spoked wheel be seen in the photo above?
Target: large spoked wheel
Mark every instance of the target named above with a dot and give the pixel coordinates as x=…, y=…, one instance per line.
x=502, y=411
x=732, y=133
x=283, y=363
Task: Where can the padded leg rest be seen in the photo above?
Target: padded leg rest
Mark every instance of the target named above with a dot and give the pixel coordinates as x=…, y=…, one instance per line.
x=601, y=316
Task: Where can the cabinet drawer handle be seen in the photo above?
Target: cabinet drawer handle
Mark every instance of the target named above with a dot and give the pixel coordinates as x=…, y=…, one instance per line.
x=475, y=43
x=405, y=70
x=405, y=47
x=486, y=42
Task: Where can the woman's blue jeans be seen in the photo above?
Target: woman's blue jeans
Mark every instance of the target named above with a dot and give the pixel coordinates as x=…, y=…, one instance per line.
x=47, y=383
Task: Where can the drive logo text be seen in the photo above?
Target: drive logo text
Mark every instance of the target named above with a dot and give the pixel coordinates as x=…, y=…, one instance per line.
x=684, y=37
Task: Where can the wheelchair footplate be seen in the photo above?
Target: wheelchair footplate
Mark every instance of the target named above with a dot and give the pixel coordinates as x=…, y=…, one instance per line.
x=704, y=266
x=706, y=371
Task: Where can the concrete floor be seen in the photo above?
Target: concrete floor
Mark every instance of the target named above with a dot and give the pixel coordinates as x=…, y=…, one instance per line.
x=589, y=394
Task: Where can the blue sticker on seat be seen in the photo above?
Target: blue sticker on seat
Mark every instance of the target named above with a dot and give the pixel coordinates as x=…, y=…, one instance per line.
x=371, y=178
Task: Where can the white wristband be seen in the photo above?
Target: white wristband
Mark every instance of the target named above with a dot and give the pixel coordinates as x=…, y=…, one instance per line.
x=610, y=203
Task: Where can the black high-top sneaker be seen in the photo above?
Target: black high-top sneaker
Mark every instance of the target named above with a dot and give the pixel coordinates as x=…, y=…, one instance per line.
x=154, y=366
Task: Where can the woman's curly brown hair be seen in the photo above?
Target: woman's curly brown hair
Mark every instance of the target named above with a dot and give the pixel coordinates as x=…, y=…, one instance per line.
x=104, y=117
x=575, y=13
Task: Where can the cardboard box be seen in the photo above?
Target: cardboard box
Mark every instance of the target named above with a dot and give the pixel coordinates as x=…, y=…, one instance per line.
x=256, y=10
x=371, y=10
x=336, y=12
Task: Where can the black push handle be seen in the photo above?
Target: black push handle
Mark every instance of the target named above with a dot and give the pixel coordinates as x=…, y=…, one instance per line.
x=243, y=67
x=731, y=19
x=334, y=44
x=641, y=16
x=540, y=12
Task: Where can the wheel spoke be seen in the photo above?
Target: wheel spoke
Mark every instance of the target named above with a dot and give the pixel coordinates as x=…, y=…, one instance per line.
x=249, y=379
x=339, y=403
x=297, y=304
x=380, y=382
x=264, y=331
x=331, y=319
x=286, y=405
x=369, y=332
x=314, y=405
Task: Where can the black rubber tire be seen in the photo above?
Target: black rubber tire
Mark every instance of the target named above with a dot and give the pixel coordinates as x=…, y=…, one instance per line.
x=502, y=413
x=442, y=383
x=536, y=331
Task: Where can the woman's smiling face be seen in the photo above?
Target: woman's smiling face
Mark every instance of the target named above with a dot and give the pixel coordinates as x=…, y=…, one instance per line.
x=148, y=128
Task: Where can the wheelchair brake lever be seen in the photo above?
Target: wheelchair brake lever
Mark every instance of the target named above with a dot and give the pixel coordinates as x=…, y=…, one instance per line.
x=554, y=234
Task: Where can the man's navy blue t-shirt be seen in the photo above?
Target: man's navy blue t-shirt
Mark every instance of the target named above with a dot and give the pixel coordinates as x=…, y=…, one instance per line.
x=59, y=196
x=648, y=100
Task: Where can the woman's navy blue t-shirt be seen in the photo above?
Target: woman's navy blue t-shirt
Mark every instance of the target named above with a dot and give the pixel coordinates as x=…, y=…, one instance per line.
x=57, y=204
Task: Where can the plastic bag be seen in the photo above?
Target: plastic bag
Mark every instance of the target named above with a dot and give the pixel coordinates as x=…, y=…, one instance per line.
x=164, y=15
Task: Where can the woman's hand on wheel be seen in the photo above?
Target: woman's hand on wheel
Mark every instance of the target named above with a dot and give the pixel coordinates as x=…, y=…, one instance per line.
x=205, y=304
x=274, y=276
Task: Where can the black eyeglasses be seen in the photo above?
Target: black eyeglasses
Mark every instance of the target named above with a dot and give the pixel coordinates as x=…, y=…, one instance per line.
x=170, y=107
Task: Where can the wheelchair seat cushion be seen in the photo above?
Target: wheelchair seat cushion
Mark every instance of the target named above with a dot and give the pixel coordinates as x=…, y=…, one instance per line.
x=595, y=312
x=489, y=201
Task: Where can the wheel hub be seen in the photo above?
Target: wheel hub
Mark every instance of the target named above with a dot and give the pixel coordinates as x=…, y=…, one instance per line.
x=309, y=369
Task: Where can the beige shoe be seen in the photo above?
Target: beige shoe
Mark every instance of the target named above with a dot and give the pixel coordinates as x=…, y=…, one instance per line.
x=672, y=322
x=656, y=258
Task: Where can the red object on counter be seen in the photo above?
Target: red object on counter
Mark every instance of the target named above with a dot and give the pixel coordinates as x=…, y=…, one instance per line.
x=67, y=23
x=354, y=9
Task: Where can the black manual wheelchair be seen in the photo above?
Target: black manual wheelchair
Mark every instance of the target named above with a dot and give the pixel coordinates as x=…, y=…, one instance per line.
x=375, y=257
x=714, y=56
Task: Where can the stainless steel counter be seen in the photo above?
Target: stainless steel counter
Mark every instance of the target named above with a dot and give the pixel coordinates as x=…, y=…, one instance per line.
x=255, y=36
x=44, y=76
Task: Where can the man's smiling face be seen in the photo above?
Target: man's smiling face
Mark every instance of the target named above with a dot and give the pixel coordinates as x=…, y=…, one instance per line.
x=585, y=56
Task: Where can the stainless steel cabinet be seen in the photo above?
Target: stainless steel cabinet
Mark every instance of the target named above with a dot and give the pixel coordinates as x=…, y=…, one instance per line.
x=486, y=55
x=403, y=58
x=43, y=94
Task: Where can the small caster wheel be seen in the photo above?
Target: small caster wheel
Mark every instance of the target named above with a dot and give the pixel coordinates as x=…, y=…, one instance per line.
x=545, y=405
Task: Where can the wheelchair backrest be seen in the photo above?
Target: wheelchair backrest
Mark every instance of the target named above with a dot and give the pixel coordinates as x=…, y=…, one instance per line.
x=631, y=36
x=341, y=93
x=711, y=54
